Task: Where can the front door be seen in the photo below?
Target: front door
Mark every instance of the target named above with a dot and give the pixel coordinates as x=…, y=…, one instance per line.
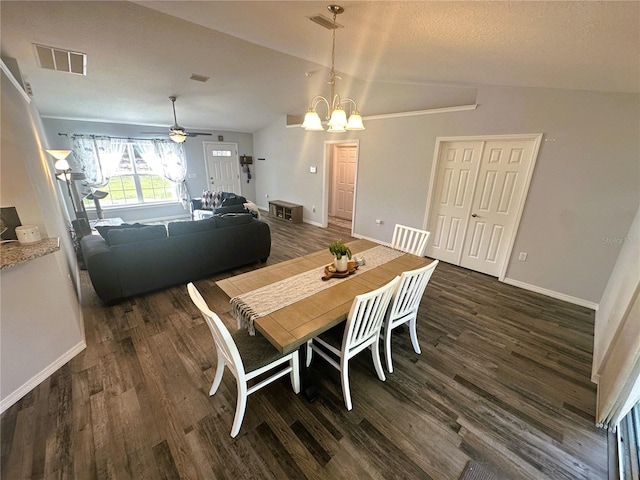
x=344, y=177
x=223, y=167
x=479, y=195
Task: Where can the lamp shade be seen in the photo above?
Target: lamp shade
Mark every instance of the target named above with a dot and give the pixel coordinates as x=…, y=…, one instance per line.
x=338, y=120
x=355, y=122
x=59, y=154
x=312, y=121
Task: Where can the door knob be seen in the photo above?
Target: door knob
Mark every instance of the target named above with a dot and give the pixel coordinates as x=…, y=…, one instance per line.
x=474, y=215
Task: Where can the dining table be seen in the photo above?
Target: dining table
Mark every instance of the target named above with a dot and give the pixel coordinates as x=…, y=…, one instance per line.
x=304, y=314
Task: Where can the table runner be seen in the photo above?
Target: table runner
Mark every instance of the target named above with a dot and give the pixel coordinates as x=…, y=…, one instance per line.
x=265, y=300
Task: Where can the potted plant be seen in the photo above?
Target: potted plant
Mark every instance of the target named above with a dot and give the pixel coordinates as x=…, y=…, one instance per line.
x=342, y=255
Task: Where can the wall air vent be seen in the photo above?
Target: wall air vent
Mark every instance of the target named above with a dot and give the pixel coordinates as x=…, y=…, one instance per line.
x=324, y=21
x=61, y=60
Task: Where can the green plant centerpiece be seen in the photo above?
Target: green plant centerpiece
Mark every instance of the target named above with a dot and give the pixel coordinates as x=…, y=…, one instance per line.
x=342, y=255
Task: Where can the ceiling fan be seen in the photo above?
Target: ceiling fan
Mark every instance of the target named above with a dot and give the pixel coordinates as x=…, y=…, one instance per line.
x=177, y=133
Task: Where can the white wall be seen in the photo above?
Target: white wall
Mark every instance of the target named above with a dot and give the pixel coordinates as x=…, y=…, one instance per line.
x=618, y=294
x=41, y=325
x=194, y=152
x=586, y=185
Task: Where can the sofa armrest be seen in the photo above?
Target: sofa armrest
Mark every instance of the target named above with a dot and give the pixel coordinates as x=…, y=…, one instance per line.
x=194, y=204
x=101, y=267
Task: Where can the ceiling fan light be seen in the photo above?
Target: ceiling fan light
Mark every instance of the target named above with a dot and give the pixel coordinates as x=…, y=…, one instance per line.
x=312, y=121
x=355, y=122
x=178, y=137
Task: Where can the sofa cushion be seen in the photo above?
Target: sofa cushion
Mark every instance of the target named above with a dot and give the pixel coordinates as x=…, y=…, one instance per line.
x=104, y=230
x=185, y=228
x=232, y=219
x=134, y=235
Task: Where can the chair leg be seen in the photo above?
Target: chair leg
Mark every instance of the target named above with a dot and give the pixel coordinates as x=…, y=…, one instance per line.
x=295, y=372
x=375, y=353
x=218, y=376
x=414, y=335
x=241, y=406
x=309, y=353
x=387, y=349
x=346, y=388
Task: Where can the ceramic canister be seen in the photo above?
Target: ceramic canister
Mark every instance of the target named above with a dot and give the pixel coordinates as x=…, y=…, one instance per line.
x=28, y=234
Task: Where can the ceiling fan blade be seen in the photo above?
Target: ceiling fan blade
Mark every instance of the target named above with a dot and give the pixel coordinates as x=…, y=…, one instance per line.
x=195, y=134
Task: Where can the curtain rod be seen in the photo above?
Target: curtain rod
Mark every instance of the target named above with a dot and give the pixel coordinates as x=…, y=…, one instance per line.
x=73, y=135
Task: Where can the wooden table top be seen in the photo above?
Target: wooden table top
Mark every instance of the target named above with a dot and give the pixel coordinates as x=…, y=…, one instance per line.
x=291, y=326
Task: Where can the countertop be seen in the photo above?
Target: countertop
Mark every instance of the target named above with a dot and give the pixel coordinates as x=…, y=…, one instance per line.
x=14, y=253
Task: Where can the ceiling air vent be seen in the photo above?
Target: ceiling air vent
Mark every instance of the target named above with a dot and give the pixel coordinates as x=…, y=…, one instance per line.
x=324, y=21
x=61, y=60
x=198, y=78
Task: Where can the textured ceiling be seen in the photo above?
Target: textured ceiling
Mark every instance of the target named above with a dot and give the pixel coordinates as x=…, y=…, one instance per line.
x=393, y=56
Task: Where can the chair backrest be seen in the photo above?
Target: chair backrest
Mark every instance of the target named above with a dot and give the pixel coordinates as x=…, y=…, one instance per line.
x=221, y=336
x=366, y=315
x=410, y=240
x=406, y=298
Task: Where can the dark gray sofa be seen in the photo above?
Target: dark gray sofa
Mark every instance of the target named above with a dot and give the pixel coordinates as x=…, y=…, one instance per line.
x=131, y=261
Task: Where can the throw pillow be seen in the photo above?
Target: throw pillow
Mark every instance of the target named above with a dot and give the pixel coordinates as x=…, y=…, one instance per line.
x=185, y=228
x=217, y=199
x=134, y=235
x=232, y=219
x=104, y=230
x=207, y=200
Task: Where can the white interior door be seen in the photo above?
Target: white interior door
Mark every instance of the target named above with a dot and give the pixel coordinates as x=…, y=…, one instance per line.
x=223, y=167
x=479, y=194
x=344, y=176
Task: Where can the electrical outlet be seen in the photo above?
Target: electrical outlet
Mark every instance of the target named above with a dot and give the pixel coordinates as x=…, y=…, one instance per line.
x=266, y=195
x=379, y=222
x=523, y=256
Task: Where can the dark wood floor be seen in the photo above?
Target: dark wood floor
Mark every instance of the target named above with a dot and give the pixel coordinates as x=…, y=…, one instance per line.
x=503, y=380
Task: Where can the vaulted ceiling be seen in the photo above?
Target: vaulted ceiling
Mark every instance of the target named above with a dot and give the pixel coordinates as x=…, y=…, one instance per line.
x=266, y=59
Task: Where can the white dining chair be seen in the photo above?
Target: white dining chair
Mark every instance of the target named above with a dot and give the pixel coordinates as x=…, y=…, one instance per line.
x=410, y=240
x=362, y=330
x=246, y=357
x=404, y=307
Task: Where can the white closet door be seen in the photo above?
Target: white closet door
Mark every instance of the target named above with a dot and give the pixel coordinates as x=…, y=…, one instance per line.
x=458, y=168
x=494, y=211
x=478, y=197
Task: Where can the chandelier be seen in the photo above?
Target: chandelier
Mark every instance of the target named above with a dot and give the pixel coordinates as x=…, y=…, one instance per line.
x=336, y=113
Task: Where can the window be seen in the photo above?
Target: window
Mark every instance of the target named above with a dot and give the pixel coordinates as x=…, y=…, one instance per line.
x=134, y=182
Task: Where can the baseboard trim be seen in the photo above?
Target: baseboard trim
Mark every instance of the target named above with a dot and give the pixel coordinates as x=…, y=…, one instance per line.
x=551, y=293
x=8, y=401
x=374, y=240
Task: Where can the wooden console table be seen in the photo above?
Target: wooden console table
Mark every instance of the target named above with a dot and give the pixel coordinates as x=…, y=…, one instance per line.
x=290, y=212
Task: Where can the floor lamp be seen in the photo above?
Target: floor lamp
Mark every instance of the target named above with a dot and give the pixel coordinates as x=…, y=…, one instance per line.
x=64, y=173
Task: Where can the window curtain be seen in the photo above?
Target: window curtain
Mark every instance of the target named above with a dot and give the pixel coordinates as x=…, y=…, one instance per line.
x=98, y=157
x=168, y=160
